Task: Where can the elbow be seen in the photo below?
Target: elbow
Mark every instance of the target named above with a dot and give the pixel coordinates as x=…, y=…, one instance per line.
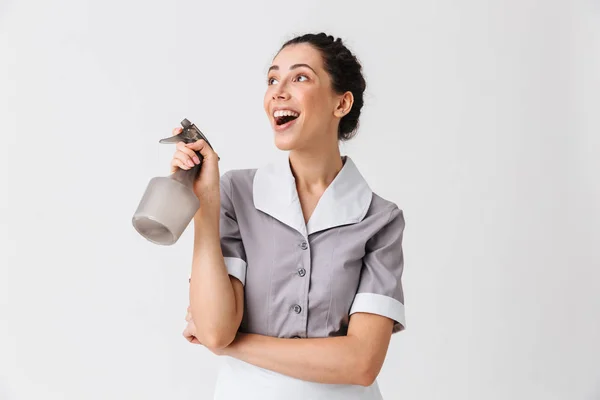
x=367, y=373
x=216, y=335
x=216, y=341
x=366, y=378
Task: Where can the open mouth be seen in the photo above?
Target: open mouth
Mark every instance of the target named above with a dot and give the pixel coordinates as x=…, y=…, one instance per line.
x=284, y=120
x=282, y=117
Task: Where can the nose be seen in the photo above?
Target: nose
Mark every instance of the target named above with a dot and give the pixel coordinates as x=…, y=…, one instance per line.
x=280, y=93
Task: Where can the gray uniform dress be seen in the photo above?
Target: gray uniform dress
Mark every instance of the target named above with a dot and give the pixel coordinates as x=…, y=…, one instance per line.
x=305, y=280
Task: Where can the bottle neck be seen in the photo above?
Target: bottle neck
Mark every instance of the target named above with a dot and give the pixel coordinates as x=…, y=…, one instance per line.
x=186, y=177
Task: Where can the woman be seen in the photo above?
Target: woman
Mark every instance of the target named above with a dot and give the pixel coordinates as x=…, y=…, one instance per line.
x=296, y=273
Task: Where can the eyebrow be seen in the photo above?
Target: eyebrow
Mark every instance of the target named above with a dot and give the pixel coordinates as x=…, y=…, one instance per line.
x=276, y=67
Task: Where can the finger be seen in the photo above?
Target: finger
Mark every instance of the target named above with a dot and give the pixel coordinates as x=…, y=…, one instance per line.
x=184, y=158
x=177, y=163
x=177, y=131
x=187, y=155
x=203, y=148
x=193, y=339
x=187, y=332
x=189, y=152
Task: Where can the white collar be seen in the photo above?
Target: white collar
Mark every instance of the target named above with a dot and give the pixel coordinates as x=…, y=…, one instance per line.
x=345, y=201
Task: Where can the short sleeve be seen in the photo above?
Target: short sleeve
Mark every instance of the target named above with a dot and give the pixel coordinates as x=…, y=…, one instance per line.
x=232, y=246
x=380, y=287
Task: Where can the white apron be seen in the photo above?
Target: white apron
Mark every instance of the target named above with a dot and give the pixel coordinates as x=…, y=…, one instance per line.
x=238, y=380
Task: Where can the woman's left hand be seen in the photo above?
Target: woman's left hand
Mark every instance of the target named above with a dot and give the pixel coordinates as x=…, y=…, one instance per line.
x=190, y=333
x=190, y=330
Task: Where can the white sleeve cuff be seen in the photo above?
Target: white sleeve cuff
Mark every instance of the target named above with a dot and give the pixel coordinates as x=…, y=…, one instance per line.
x=236, y=267
x=374, y=303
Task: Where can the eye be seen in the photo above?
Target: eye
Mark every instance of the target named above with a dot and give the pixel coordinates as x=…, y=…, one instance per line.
x=299, y=78
x=270, y=81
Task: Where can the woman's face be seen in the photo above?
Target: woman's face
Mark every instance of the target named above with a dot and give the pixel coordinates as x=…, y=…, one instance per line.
x=299, y=101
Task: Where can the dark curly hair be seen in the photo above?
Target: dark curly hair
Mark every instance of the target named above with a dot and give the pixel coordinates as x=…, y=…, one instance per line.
x=346, y=75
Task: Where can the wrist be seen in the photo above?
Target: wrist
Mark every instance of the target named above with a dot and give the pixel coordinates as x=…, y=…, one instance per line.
x=210, y=198
x=207, y=214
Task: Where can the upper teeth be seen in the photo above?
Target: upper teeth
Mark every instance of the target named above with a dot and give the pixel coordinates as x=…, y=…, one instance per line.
x=285, y=113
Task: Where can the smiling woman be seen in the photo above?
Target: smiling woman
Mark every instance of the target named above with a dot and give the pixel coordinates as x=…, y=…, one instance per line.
x=297, y=278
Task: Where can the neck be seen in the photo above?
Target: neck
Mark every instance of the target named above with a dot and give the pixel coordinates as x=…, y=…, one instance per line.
x=314, y=170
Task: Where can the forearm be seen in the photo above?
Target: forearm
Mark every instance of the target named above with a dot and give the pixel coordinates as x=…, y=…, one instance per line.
x=212, y=298
x=334, y=360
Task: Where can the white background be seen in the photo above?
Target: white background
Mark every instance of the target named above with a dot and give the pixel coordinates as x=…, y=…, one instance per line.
x=481, y=122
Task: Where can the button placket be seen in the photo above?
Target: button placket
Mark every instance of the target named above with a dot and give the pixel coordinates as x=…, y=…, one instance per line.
x=303, y=270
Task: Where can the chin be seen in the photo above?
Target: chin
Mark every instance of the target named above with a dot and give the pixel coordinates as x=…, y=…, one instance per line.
x=287, y=139
x=285, y=143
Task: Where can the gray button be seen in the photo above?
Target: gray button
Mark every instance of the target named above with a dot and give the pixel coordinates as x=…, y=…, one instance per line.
x=301, y=271
x=304, y=245
x=297, y=309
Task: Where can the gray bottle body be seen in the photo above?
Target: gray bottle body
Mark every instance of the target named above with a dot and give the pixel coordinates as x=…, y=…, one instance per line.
x=169, y=203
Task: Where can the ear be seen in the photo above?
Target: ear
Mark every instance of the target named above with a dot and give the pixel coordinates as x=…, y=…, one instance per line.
x=344, y=104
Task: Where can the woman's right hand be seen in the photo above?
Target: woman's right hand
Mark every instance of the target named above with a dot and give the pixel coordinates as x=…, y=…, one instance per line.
x=184, y=157
x=207, y=185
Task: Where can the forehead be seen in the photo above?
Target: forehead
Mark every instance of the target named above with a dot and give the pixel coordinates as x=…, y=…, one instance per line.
x=302, y=53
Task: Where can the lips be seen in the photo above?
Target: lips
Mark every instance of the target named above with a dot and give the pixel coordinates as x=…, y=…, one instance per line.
x=283, y=116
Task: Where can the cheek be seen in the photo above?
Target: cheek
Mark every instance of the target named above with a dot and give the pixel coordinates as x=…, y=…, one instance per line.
x=316, y=105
